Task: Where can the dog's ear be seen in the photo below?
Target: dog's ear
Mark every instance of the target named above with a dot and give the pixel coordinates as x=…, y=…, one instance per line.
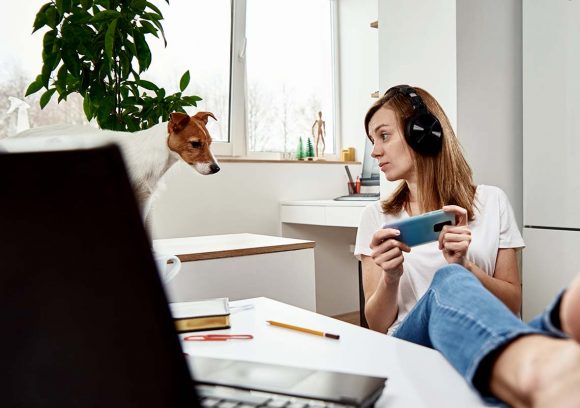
x=177, y=121
x=203, y=116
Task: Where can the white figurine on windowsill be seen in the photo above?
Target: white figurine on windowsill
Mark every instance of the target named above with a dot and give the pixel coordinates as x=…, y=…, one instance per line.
x=22, y=122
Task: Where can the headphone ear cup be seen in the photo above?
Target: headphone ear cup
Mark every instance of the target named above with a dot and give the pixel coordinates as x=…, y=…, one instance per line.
x=424, y=133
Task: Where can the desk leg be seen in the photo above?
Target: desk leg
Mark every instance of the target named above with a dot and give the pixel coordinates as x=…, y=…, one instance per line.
x=361, y=297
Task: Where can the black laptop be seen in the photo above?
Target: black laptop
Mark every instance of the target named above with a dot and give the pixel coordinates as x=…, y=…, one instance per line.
x=85, y=321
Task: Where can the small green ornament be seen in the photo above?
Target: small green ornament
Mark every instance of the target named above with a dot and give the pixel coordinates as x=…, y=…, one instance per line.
x=300, y=150
x=309, y=148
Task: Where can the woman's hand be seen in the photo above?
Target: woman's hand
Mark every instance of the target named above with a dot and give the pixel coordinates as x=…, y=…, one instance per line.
x=454, y=240
x=387, y=253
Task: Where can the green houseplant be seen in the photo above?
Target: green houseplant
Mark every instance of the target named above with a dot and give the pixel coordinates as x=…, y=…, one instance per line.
x=98, y=48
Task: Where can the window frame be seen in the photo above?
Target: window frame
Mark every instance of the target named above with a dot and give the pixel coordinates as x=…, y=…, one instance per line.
x=237, y=146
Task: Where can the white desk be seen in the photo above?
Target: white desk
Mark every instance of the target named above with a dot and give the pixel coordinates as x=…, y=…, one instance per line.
x=323, y=212
x=417, y=376
x=332, y=224
x=241, y=266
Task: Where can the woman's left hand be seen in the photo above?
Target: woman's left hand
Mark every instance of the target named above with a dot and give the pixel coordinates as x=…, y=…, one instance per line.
x=454, y=240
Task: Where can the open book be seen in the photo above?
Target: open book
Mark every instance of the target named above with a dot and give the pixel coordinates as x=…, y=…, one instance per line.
x=210, y=314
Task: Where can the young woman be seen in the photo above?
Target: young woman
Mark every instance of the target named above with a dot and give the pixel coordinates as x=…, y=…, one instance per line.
x=459, y=295
x=414, y=142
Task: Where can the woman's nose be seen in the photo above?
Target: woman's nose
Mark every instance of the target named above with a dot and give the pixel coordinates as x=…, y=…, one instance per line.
x=377, y=151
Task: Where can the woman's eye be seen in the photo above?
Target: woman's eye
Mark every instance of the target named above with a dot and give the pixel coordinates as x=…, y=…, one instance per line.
x=196, y=144
x=384, y=136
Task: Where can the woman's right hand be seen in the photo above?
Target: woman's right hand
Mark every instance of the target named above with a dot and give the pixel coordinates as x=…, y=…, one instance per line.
x=387, y=253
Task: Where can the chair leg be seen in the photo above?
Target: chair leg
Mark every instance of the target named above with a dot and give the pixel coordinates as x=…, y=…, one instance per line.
x=361, y=297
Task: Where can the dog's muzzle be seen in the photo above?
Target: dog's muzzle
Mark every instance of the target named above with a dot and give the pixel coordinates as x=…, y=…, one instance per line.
x=213, y=168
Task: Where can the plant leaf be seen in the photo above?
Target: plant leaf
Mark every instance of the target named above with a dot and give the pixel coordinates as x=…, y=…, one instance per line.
x=34, y=86
x=40, y=20
x=105, y=15
x=87, y=107
x=86, y=4
x=154, y=8
x=160, y=27
x=184, y=81
x=139, y=5
x=143, y=51
x=149, y=28
x=45, y=98
x=148, y=85
x=51, y=17
x=110, y=38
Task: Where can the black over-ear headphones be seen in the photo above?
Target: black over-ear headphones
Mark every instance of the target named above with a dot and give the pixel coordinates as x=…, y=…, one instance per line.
x=423, y=131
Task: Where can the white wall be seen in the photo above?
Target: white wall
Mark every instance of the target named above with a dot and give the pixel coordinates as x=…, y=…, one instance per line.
x=489, y=93
x=467, y=53
x=359, y=67
x=417, y=46
x=244, y=197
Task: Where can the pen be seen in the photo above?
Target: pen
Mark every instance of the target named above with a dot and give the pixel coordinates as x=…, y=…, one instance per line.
x=304, y=330
x=348, y=174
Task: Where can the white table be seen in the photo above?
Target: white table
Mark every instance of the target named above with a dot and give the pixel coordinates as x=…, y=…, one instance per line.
x=417, y=376
x=241, y=266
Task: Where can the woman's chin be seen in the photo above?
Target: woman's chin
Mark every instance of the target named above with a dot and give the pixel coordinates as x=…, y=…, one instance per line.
x=392, y=177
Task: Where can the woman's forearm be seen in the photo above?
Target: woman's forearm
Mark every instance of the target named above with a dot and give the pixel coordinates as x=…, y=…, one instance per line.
x=381, y=307
x=509, y=293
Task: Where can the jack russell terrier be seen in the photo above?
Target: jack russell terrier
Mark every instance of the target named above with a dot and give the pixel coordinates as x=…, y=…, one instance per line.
x=148, y=153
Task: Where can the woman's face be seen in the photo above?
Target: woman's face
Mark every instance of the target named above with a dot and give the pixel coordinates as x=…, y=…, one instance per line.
x=390, y=148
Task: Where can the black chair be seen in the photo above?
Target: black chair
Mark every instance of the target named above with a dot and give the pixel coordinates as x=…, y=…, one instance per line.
x=361, y=298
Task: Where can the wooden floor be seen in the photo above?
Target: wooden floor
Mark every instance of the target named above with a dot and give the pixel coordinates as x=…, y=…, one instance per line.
x=352, y=317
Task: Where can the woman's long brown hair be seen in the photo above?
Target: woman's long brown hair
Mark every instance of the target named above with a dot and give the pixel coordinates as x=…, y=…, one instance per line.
x=442, y=179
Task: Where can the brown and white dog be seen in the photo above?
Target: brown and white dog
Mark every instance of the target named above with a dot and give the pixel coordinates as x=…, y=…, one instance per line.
x=148, y=153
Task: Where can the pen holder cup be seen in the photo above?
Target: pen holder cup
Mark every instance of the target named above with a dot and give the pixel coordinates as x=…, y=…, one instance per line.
x=351, y=187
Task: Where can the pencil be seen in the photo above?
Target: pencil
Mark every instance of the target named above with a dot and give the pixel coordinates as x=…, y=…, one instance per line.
x=303, y=329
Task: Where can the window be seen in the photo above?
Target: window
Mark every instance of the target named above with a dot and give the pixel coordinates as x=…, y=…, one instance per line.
x=265, y=68
x=289, y=72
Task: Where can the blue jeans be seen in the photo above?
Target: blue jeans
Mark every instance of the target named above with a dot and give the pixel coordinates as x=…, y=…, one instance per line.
x=468, y=325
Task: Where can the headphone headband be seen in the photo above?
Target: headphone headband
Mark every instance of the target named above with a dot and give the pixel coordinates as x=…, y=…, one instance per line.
x=412, y=94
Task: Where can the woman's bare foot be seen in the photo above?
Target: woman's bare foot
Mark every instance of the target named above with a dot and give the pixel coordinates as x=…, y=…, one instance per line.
x=570, y=310
x=536, y=369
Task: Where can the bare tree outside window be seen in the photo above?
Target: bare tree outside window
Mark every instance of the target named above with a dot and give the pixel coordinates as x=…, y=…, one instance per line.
x=289, y=61
x=288, y=65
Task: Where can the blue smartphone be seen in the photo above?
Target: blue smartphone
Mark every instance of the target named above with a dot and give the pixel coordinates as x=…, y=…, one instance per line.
x=422, y=228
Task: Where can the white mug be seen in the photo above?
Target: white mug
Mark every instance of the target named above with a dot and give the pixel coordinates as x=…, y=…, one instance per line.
x=166, y=270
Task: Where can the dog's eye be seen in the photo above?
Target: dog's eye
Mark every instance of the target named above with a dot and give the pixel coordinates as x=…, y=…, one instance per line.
x=196, y=144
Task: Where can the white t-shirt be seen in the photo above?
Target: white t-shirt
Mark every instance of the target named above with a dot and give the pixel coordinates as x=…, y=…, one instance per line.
x=493, y=227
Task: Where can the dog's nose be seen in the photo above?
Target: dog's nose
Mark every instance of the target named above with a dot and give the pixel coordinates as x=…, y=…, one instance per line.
x=214, y=168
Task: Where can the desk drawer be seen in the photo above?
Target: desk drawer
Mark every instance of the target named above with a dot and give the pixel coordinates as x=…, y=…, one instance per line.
x=302, y=214
x=343, y=216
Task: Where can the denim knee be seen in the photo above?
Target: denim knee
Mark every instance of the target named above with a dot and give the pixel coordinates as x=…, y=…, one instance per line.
x=451, y=273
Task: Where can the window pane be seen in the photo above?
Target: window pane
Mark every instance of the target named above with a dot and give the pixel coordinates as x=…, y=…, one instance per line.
x=198, y=36
x=289, y=71
x=20, y=63
x=198, y=39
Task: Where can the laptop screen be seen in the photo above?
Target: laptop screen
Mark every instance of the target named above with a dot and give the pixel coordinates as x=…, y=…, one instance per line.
x=85, y=321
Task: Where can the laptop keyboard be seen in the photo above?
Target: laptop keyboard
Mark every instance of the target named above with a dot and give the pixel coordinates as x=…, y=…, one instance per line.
x=223, y=397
